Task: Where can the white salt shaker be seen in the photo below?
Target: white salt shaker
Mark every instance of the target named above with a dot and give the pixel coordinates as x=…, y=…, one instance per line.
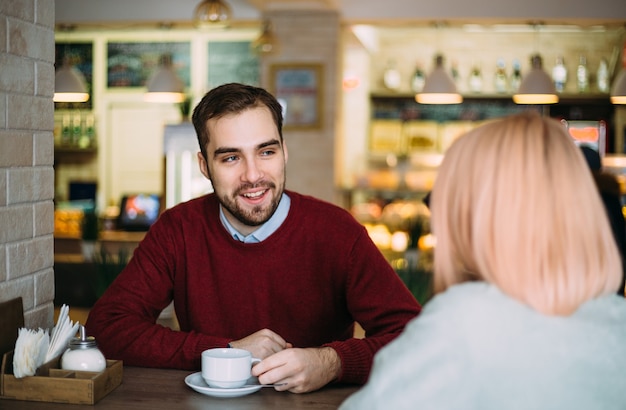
x=83, y=354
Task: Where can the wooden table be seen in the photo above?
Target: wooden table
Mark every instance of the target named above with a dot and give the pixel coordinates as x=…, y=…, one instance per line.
x=154, y=389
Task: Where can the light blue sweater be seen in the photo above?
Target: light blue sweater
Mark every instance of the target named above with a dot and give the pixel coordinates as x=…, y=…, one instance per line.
x=473, y=347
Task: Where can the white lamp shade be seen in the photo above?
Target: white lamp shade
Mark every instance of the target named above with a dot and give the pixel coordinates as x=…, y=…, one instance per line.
x=69, y=85
x=536, y=87
x=212, y=14
x=439, y=88
x=618, y=90
x=164, y=85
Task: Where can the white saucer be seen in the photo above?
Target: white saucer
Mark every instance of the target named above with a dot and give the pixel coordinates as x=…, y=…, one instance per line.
x=196, y=382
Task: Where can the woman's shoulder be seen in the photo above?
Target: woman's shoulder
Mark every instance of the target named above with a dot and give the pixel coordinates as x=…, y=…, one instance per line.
x=477, y=295
x=608, y=309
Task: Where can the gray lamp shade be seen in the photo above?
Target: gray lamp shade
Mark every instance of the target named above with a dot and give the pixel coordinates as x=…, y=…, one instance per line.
x=69, y=85
x=618, y=90
x=537, y=86
x=164, y=85
x=210, y=14
x=439, y=88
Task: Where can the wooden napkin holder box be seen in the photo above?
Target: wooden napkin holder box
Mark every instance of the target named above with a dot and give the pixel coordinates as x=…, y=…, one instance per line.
x=50, y=383
x=53, y=384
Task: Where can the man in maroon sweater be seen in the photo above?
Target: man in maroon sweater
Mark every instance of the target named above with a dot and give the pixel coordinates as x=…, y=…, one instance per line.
x=254, y=266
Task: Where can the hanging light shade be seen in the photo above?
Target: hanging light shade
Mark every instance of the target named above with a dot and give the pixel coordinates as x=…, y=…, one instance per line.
x=537, y=86
x=618, y=90
x=212, y=14
x=266, y=43
x=69, y=85
x=164, y=85
x=439, y=88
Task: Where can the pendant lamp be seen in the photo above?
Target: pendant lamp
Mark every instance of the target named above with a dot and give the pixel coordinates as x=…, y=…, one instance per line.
x=439, y=88
x=69, y=85
x=537, y=86
x=266, y=43
x=164, y=86
x=618, y=90
x=210, y=14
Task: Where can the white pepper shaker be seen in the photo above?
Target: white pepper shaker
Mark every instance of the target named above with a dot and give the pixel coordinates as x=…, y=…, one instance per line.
x=83, y=354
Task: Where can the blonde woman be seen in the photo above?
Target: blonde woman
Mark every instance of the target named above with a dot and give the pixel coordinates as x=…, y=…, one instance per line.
x=526, y=271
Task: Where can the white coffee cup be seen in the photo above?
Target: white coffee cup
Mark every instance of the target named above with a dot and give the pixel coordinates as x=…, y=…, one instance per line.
x=227, y=368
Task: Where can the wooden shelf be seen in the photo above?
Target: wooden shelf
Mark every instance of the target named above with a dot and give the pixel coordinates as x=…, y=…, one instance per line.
x=74, y=155
x=75, y=150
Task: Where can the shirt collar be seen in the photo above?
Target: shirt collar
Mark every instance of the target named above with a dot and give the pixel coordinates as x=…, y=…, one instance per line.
x=264, y=231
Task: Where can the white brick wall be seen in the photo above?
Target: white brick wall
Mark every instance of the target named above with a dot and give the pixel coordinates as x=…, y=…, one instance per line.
x=27, y=156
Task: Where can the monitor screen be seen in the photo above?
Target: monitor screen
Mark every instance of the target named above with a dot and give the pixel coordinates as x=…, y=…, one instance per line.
x=138, y=212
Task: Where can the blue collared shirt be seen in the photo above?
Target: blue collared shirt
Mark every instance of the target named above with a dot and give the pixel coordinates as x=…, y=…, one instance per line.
x=265, y=230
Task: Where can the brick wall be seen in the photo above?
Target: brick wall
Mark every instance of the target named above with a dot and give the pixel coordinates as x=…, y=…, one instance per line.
x=27, y=156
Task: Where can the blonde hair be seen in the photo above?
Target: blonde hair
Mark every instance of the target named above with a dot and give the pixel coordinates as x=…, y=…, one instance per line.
x=514, y=204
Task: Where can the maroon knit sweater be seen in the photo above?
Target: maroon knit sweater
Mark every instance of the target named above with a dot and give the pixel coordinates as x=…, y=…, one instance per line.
x=309, y=282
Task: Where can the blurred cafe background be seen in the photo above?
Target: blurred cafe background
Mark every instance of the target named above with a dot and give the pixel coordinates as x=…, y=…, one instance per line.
x=351, y=75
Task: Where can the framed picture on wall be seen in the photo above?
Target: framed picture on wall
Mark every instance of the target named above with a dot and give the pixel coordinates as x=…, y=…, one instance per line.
x=79, y=56
x=131, y=64
x=298, y=88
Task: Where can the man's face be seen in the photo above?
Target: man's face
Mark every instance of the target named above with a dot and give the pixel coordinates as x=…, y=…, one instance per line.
x=246, y=164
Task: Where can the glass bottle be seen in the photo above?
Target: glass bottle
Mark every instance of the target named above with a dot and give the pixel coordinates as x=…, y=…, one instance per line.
x=91, y=130
x=391, y=76
x=417, y=81
x=77, y=129
x=66, y=130
x=603, y=76
x=500, y=80
x=559, y=74
x=582, y=75
x=476, y=80
x=516, y=76
x=87, y=136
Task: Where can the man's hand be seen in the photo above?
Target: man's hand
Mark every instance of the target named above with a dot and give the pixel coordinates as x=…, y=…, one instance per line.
x=303, y=370
x=262, y=344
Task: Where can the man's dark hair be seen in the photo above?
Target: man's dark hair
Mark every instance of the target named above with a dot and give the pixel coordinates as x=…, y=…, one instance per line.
x=232, y=98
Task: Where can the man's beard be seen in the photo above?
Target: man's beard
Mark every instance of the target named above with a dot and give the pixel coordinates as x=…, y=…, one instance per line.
x=258, y=215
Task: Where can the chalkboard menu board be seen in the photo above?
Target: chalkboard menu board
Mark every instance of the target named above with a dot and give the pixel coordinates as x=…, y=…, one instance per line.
x=80, y=56
x=232, y=61
x=131, y=64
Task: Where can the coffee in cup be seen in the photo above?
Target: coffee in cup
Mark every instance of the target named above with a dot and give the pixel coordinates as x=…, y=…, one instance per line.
x=227, y=368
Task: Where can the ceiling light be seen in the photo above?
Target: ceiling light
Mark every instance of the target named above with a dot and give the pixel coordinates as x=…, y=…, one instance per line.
x=69, y=85
x=618, y=91
x=537, y=86
x=266, y=43
x=164, y=85
x=439, y=88
x=212, y=14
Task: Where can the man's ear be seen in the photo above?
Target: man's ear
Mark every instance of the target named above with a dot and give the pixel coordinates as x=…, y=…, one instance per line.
x=204, y=167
